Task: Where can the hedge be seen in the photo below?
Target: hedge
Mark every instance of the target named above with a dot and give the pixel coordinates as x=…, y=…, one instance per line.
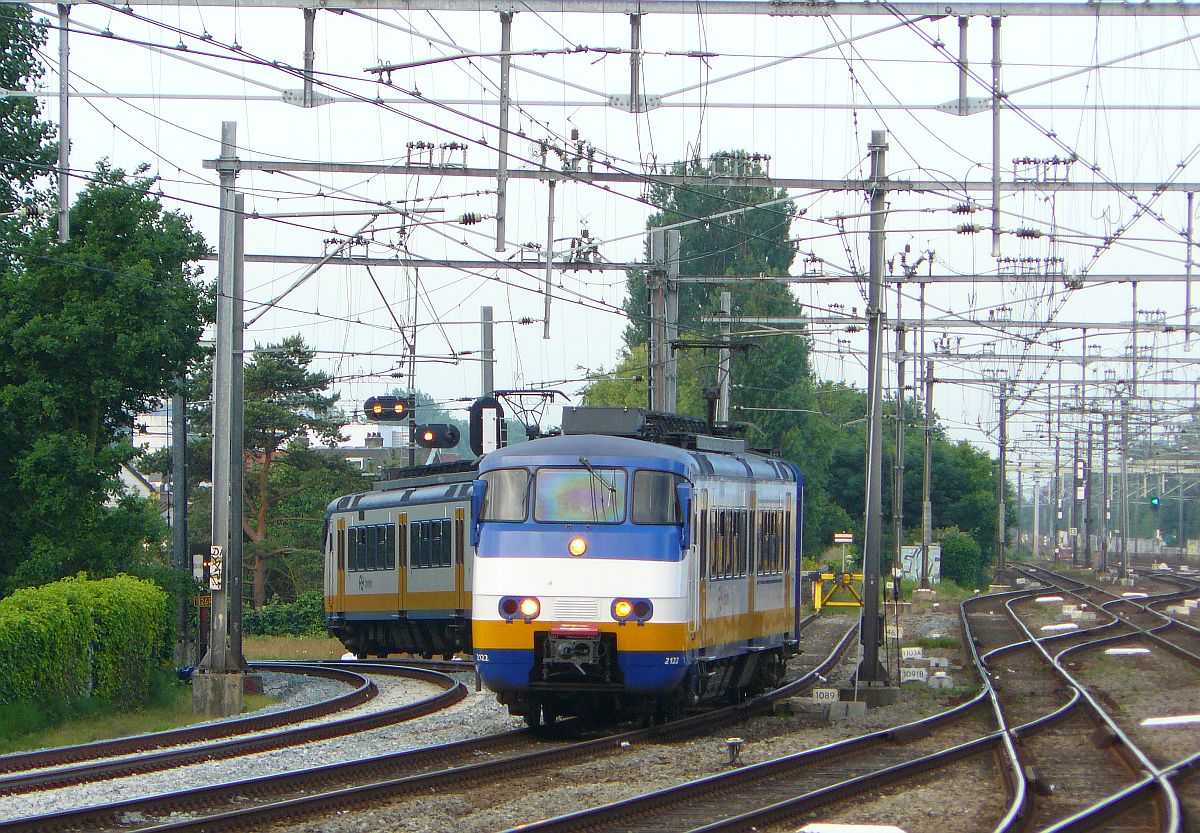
x=303, y=617
x=76, y=639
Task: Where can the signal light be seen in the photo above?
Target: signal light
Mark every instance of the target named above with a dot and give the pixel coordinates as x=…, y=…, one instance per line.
x=1155, y=502
x=388, y=408
x=577, y=546
x=438, y=435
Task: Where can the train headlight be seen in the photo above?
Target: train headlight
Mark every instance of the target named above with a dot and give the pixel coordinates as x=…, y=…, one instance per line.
x=577, y=546
x=518, y=607
x=636, y=610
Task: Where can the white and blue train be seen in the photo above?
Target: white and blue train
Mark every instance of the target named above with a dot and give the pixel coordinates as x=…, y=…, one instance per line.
x=614, y=575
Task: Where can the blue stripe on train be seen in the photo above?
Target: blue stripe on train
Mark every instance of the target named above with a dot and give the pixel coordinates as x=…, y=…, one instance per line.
x=646, y=672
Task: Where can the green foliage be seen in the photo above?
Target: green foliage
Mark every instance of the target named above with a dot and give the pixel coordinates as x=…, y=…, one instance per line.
x=92, y=333
x=963, y=562
x=303, y=617
x=26, y=149
x=286, y=402
x=77, y=639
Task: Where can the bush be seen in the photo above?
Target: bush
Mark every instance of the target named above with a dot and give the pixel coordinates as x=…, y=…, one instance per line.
x=76, y=639
x=303, y=617
x=962, y=561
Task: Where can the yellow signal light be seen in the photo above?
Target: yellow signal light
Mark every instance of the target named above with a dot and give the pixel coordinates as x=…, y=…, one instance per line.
x=622, y=609
x=577, y=546
x=530, y=608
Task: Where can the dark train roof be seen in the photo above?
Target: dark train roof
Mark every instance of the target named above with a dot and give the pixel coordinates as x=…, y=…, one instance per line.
x=623, y=451
x=415, y=496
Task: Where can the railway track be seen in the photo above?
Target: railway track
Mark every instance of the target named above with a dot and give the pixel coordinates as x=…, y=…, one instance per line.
x=1040, y=715
x=43, y=769
x=457, y=765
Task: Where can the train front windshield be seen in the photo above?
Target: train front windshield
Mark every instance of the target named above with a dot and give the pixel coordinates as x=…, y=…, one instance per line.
x=585, y=494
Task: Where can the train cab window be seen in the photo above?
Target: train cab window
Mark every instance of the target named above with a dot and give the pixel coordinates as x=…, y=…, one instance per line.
x=587, y=494
x=507, y=495
x=655, y=500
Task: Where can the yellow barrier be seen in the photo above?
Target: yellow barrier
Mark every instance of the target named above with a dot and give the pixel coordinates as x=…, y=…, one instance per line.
x=842, y=587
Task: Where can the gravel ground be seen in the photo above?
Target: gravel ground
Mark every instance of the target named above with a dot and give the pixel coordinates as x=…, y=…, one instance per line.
x=296, y=690
x=647, y=767
x=630, y=772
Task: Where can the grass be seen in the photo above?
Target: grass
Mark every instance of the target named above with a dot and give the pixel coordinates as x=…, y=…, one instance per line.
x=40, y=726
x=933, y=643
x=291, y=647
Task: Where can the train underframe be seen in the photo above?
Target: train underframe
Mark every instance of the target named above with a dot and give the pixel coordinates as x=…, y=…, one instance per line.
x=417, y=637
x=581, y=677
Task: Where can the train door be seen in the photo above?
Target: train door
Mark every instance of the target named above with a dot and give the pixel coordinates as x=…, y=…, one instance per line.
x=462, y=563
x=431, y=583
x=401, y=555
x=339, y=596
x=696, y=584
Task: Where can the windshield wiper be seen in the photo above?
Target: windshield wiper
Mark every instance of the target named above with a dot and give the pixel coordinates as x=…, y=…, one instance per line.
x=597, y=477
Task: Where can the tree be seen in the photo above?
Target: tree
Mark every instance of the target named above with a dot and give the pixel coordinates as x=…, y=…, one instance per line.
x=285, y=404
x=27, y=153
x=92, y=333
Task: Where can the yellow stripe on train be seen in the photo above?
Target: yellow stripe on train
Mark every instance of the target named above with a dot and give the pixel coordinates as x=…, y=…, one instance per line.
x=430, y=600
x=519, y=635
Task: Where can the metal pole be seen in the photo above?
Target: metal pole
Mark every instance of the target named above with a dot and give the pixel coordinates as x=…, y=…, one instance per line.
x=1036, y=544
x=1106, y=490
x=237, y=433
x=962, y=65
x=506, y=19
x=488, y=365
x=1187, y=265
x=724, y=363
x=549, y=257
x=217, y=659
x=1020, y=503
x=1087, y=502
x=898, y=471
x=1076, y=505
x=64, y=132
x=926, y=480
x=1058, y=502
x=871, y=670
x=996, y=137
x=179, y=492
x=635, y=63
x=655, y=349
x=1124, y=571
x=310, y=54
x=671, y=328
x=1001, y=476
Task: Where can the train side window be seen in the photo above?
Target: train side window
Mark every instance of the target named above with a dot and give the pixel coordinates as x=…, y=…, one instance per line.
x=460, y=536
x=743, y=550
x=371, y=547
x=389, y=554
x=341, y=549
x=702, y=538
x=423, y=544
x=352, y=548
x=441, y=548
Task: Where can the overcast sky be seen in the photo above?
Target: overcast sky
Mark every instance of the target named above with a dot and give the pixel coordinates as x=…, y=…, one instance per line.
x=1130, y=121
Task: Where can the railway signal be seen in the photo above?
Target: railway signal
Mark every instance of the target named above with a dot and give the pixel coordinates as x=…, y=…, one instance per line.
x=437, y=435
x=1155, y=502
x=388, y=408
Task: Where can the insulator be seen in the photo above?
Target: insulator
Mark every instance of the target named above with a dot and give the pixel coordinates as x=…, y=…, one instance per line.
x=1028, y=233
x=964, y=208
x=470, y=218
x=969, y=228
